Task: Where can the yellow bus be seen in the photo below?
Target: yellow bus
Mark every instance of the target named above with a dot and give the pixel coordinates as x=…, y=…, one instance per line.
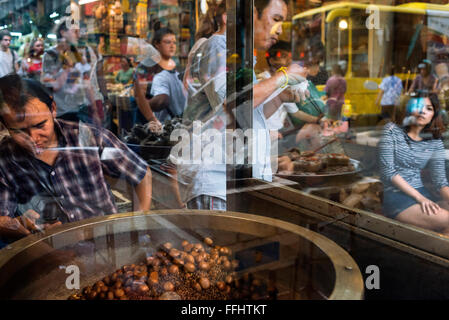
x=368, y=39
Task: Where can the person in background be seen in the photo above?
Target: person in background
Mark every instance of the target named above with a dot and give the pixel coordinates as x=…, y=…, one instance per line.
x=206, y=181
x=390, y=91
x=8, y=57
x=207, y=27
x=24, y=47
x=32, y=61
x=335, y=91
x=167, y=97
x=125, y=74
x=62, y=77
x=53, y=171
x=320, y=76
x=309, y=136
x=268, y=16
x=425, y=82
x=405, y=149
x=70, y=71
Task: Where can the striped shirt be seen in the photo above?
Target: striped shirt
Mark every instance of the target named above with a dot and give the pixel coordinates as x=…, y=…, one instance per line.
x=86, y=155
x=400, y=155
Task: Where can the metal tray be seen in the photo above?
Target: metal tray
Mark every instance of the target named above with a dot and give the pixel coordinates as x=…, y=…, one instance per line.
x=151, y=152
x=357, y=165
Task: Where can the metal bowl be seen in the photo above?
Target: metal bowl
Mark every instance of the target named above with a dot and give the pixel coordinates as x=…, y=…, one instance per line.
x=151, y=152
x=302, y=264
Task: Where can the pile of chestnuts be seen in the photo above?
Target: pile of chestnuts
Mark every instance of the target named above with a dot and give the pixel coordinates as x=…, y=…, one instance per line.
x=198, y=271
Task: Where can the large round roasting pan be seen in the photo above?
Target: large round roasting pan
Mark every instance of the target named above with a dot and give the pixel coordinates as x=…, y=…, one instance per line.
x=302, y=263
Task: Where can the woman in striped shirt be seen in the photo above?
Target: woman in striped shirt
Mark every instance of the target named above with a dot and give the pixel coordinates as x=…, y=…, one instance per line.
x=403, y=153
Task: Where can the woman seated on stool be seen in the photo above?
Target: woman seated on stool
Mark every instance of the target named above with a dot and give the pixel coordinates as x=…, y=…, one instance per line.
x=403, y=152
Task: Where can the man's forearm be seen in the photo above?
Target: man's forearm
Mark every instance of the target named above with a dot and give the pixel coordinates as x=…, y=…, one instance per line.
x=160, y=102
x=142, y=103
x=144, y=192
x=264, y=89
x=60, y=80
x=301, y=115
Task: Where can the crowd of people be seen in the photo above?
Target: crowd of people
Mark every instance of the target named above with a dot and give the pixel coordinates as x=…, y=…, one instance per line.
x=59, y=150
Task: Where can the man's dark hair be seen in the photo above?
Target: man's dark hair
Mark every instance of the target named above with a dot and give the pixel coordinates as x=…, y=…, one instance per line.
x=262, y=4
x=62, y=26
x=16, y=92
x=4, y=33
x=391, y=70
x=160, y=34
x=280, y=45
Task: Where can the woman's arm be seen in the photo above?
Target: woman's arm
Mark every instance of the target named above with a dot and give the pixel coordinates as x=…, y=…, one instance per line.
x=437, y=167
x=405, y=187
x=444, y=192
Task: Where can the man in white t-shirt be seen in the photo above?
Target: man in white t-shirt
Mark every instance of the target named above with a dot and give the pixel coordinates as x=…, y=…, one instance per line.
x=268, y=16
x=8, y=57
x=278, y=56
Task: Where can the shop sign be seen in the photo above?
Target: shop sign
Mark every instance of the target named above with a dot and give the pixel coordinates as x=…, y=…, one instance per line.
x=439, y=23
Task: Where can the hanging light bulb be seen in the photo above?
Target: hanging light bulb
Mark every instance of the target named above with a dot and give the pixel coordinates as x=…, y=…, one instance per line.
x=343, y=24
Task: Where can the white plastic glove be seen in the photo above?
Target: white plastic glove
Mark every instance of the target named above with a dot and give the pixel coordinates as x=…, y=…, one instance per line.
x=296, y=74
x=300, y=92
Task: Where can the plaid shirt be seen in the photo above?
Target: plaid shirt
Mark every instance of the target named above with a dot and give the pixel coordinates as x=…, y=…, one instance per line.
x=86, y=155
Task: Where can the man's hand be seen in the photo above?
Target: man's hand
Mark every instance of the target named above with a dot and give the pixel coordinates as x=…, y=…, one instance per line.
x=285, y=164
x=29, y=221
x=48, y=226
x=324, y=122
x=155, y=126
x=296, y=74
x=300, y=92
x=12, y=228
x=297, y=93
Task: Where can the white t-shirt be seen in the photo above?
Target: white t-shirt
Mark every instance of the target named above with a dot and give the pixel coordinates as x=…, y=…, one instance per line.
x=276, y=121
x=168, y=83
x=6, y=65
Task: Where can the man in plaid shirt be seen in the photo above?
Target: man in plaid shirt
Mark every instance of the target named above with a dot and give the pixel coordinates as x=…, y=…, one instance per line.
x=65, y=162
